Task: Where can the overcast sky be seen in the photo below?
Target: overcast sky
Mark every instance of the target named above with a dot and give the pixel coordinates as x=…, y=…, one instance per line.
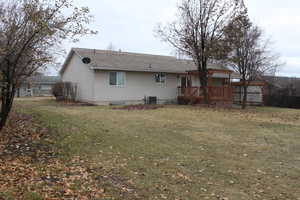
x=129, y=26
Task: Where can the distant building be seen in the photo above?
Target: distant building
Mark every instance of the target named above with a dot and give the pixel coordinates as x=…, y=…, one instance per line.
x=37, y=86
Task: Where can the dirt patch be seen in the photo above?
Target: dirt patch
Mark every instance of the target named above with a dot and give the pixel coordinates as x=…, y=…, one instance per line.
x=217, y=105
x=70, y=103
x=139, y=107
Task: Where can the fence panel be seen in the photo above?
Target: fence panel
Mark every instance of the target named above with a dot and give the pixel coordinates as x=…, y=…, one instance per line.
x=282, y=101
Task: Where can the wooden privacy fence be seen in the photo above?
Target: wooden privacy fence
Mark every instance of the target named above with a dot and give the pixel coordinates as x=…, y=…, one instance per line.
x=220, y=93
x=282, y=101
x=223, y=93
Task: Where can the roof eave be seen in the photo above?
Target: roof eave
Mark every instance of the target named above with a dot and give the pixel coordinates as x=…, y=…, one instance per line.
x=127, y=70
x=70, y=54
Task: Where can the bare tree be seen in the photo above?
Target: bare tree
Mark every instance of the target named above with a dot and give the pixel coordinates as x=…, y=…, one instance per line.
x=251, y=56
x=30, y=34
x=198, y=30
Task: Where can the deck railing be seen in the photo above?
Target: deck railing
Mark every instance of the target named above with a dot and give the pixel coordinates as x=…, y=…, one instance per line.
x=214, y=93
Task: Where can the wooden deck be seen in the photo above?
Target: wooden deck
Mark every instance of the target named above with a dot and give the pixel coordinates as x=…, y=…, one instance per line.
x=215, y=94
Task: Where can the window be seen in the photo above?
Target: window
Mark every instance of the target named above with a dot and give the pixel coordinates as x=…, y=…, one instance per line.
x=45, y=87
x=160, y=78
x=117, y=78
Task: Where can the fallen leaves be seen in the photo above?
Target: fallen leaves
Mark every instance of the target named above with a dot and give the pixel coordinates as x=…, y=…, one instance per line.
x=30, y=168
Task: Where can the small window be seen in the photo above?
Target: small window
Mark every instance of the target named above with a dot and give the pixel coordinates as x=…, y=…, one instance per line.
x=117, y=78
x=160, y=78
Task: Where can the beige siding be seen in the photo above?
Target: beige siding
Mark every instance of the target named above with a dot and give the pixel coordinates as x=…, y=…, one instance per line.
x=93, y=86
x=137, y=86
x=79, y=73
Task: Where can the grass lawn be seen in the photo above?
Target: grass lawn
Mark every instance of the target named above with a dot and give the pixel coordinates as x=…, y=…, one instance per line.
x=178, y=152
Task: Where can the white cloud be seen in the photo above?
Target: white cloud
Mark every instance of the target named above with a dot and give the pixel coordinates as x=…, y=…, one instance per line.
x=129, y=25
x=292, y=67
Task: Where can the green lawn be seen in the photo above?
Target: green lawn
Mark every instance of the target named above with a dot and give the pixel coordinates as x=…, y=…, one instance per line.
x=180, y=152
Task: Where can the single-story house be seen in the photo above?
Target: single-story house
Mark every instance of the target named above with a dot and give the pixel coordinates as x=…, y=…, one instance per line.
x=115, y=77
x=37, y=85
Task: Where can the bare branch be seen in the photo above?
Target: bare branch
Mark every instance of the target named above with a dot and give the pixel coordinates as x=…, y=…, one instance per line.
x=198, y=30
x=30, y=32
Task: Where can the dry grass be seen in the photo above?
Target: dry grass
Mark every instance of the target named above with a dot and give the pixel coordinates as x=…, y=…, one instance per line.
x=181, y=152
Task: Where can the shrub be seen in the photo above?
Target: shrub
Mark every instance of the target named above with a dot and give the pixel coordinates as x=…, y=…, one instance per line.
x=65, y=91
x=184, y=100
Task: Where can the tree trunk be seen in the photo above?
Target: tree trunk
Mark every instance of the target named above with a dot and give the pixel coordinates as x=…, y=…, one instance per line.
x=203, y=82
x=202, y=71
x=245, y=95
x=7, y=98
x=4, y=116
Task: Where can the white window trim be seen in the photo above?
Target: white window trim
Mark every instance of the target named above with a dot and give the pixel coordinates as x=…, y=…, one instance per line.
x=117, y=86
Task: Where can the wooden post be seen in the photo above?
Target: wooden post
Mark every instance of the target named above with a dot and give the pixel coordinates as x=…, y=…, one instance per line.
x=230, y=90
x=209, y=84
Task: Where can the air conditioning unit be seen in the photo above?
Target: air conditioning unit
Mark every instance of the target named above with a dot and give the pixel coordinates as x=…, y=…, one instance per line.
x=151, y=100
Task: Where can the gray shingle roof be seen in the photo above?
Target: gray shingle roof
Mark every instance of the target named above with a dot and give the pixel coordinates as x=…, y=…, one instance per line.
x=124, y=61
